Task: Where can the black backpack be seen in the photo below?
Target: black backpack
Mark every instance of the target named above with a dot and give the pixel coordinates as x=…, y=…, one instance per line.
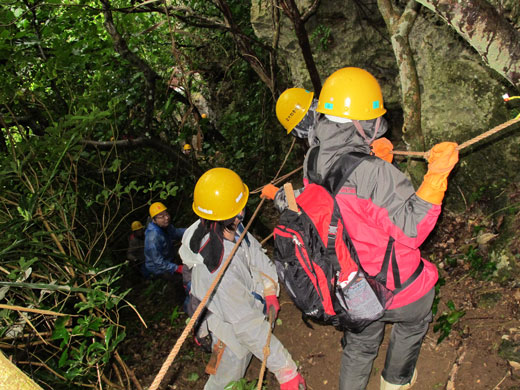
x=317, y=262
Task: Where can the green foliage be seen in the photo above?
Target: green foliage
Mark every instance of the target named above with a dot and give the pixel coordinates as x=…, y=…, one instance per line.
x=480, y=268
x=55, y=234
x=242, y=384
x=175, y=315
x=64, y=206
x=322, y=34
x=440, y=282
x=445, y=322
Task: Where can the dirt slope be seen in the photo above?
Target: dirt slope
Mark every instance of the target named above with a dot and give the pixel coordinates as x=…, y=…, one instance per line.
x=477, y=354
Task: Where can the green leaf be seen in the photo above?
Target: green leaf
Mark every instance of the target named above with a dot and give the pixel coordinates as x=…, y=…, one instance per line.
x=94, y=348
x=17, y=12
x=63, y=359
x=61, y=334
x=108, y=334
x=455, y=316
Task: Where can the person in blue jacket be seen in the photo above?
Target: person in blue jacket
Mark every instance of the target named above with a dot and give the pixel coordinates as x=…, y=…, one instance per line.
x=160, y=236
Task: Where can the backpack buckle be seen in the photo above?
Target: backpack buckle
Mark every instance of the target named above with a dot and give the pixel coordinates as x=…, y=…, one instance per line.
x=295, y=240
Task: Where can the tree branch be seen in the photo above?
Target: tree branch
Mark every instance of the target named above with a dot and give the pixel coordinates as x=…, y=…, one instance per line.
x=189, y=166
x=121, y=47
x=310, y=11
x=244, y=47
x=490, y=34
x=291, y=10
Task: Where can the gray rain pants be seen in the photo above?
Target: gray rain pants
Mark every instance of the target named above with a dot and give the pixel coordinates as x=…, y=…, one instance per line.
x=231, y=368
x=410, y=324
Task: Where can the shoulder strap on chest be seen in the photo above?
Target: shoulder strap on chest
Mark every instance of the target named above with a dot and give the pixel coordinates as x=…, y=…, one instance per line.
x=338, y=172
x=312, y=165
x=342, y=169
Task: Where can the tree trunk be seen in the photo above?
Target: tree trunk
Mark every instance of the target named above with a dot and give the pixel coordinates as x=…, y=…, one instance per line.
x=244, y=48
x=291, y=10
x=11, y=377
x=399, y=27
x=490, y=34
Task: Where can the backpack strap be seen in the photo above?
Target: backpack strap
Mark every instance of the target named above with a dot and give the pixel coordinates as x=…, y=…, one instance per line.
x=312, y=165
x=342, y=169
x=337, y=175
x=397, y=280
x=381, y=276
x=332, y=235
x=390, y=254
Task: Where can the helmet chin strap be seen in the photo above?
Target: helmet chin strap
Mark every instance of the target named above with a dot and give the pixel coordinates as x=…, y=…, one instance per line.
x=361, y=132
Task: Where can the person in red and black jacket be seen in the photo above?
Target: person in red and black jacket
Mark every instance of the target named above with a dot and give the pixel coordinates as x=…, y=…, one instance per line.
x=379, y=206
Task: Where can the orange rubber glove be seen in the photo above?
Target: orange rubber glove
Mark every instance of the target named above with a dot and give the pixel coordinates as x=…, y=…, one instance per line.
x=382, y=148
x=269, y=191
x=441, y=161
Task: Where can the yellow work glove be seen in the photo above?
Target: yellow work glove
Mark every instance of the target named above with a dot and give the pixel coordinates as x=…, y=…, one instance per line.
x=382, y=148
x=269, y=191
x=441, y=161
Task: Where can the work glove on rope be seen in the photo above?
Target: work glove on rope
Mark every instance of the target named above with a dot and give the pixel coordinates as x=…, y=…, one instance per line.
x=272, y=301
x=441, y=161
x=382, y=148
x=269, y=191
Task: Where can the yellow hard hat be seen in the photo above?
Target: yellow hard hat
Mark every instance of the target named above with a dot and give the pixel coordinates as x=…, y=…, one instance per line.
x=292, y=105
x=351, y=93
x=187, y=147
x=219, y=194
x=136, y=225
x=156, y=208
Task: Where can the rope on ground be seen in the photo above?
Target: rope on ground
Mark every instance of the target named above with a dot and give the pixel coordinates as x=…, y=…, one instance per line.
x=175, y=350
x=267, y=349
x=463, y=145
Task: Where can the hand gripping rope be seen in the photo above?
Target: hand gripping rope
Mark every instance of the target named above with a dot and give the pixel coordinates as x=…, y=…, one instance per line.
x=424, y=155
x=463, y=145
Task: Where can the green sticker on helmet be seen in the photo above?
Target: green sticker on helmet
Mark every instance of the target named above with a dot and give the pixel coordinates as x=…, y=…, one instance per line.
x=328, y=106
x=375, y=104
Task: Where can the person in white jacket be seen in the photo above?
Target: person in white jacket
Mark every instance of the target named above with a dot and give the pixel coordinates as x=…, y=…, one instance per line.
x=248, y=288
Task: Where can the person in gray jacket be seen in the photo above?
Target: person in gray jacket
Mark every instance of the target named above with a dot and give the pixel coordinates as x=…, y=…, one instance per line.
x=382, y=213
x=248, y=288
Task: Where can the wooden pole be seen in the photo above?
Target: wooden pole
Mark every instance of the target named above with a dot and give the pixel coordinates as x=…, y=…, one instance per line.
x=11, y=377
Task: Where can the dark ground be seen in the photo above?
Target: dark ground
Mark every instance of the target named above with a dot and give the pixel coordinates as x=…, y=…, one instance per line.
x=478, y=353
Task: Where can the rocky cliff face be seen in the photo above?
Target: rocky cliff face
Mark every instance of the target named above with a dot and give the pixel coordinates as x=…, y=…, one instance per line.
x=461, y=98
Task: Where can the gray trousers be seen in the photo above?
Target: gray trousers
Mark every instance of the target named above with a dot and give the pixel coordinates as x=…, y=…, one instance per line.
x=231, y=368
x=410, y=324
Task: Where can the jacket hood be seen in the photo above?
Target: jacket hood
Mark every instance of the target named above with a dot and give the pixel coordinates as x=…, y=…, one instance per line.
x=189, y=257
x=337, y=139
